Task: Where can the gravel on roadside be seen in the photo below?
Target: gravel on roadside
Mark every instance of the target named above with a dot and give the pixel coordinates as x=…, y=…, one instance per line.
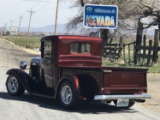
x=11, y=55
x=153, y=82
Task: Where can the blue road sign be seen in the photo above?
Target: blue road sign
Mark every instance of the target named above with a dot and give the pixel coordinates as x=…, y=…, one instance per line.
x=100, y=16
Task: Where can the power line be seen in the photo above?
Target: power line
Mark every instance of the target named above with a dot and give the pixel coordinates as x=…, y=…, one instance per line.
x=38, y=9
x=42, y=6
x=34, y=5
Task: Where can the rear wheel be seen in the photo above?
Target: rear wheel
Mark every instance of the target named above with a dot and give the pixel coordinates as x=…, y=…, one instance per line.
x=13, y=85
x=67, y=95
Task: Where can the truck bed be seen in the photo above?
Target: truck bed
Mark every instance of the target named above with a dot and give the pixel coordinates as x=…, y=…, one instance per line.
x=124, y=80
x=112, y=80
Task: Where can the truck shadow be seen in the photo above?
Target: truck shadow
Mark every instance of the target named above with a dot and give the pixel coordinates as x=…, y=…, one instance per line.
x=49, y=103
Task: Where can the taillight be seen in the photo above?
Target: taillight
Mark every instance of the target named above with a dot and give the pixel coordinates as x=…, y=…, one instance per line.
x=106, y=91
x=141, y=91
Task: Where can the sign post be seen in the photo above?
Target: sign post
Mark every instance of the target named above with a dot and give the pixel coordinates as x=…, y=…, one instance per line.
x=100, y=16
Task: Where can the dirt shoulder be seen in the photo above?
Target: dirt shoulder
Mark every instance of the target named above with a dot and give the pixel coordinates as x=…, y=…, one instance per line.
x=11, y=55
x=153, y=104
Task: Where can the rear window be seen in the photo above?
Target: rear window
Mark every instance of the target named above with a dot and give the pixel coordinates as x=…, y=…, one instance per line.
x=80, y=47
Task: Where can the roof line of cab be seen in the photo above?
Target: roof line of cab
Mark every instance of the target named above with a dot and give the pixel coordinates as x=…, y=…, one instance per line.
x=70, y=37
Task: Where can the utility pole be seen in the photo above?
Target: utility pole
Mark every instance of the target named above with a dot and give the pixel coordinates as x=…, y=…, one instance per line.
x=19, y=25
x=56, y=19
x=31, y=12
x=5, y=28
x=11, y=26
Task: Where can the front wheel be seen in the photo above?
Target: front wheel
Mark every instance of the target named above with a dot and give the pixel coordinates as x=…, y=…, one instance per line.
x=13, y=85
x=67, y=95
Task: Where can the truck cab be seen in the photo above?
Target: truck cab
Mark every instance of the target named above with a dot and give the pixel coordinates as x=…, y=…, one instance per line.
x=70, y=69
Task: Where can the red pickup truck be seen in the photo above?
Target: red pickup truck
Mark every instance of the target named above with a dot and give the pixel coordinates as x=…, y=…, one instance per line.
x=70, y=69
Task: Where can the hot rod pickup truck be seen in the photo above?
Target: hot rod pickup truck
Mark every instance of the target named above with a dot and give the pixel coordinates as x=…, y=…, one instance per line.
x=70, y=70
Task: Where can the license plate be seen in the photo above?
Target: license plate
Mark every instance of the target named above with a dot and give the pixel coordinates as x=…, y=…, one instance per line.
x=122, y=102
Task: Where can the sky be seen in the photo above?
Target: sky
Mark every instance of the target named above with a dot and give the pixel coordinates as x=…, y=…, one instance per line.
x=11, y=10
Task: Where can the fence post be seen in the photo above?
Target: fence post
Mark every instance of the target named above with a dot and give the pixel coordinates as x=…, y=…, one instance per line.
x=138, y=40
x=104, y=37
x=120, y=47
x=111, y=40
x=155, y=47
x=149, y=53
x=144, y=50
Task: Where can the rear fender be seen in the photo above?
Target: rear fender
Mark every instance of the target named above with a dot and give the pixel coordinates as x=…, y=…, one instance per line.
x=73, y=79
x=22, y=76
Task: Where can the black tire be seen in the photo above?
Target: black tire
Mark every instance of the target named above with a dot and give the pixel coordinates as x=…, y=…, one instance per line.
x=131, y=103
x=14, y=87
x=67, y=95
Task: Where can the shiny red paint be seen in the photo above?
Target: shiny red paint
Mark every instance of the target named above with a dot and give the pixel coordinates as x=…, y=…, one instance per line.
x=112, y=80
x=74, y=37
x=76, y=82
x=124, y=80
x=66, y=58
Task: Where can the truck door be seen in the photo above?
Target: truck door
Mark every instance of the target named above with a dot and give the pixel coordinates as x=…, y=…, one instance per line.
x=47, y=63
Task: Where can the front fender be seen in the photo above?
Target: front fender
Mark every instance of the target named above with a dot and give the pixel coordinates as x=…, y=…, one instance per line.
x=22, y=76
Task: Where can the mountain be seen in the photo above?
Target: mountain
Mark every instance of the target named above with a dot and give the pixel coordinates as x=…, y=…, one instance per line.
x=49, y=28
x=61, y=29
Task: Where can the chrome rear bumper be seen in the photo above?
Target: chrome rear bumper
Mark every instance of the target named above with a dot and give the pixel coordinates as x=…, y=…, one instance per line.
x=115, y=97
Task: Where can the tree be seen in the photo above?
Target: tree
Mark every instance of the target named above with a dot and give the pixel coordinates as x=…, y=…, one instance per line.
x=130, y=11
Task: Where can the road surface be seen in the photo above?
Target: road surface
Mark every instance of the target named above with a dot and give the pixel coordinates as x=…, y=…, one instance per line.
x=29, y=107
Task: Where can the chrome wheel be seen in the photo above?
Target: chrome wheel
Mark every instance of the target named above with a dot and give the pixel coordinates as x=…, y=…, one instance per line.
x=12, y=85
x=66, y=95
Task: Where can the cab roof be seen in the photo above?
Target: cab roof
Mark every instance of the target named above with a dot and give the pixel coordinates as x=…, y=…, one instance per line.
x=70, y=37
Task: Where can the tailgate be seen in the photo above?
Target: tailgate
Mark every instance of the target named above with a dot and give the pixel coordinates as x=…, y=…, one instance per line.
x=124, y=80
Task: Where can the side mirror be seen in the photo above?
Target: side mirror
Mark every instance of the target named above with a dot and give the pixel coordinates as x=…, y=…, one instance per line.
x=23, y=65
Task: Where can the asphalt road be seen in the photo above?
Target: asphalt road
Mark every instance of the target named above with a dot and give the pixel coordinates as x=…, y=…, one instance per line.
x=29, y=107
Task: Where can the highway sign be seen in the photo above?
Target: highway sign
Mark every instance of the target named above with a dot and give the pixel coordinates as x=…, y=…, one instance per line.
x=100, y=16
